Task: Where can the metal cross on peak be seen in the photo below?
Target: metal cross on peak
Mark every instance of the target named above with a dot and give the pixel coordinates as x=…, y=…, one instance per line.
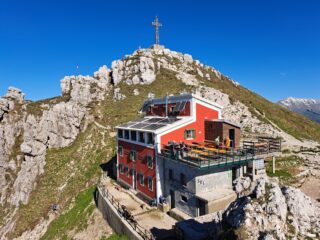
x=156, y=25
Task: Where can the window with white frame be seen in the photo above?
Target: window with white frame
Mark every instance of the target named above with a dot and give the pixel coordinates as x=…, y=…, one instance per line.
x=150, y=138
x=150, y=161
x=190, y=133
x=133, y=135
x=126, y=171
x=133, y=155
x=141, y=179
x=120, y=151
x=126, y=134
x=150, y=183
x=120, y=133
x=141, y=137
x=121, y=168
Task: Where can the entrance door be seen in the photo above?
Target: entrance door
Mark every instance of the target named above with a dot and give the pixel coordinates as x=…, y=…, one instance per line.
x=232, y=137
x=134, y=179
x=234, y=173
x=172, y=198
x=202, y=207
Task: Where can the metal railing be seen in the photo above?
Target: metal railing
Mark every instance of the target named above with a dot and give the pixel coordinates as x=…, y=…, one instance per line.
x=206, y=158
x=125, y=214
x=264, y=145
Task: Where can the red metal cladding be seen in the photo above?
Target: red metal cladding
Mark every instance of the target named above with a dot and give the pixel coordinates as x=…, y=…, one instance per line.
x=178, y=135
x=140, y=165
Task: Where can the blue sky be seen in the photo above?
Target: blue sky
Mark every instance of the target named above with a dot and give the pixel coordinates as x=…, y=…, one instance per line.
x=271, y=47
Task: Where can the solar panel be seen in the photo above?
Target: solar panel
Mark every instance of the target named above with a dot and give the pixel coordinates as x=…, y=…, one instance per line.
x=154, y=126
x=139, y=125
x=182, y=106
x=125, y=125
x=153, y=120
x=139, y=120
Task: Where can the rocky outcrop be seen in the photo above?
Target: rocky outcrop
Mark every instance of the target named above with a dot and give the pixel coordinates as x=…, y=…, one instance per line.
x=85, y=89
x=15, y=94
x=29, y=135
x=286, y=212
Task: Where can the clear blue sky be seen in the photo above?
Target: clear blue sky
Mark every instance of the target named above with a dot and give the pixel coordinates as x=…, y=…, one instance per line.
x=271, y=47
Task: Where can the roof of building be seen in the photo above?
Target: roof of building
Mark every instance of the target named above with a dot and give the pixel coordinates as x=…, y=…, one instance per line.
x=149, y=123
x=227, y=122
x=178, y=98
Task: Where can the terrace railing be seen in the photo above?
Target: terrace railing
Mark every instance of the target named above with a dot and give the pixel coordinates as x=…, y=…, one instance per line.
x=201, y=157
x=264, y=145
x=125, y=214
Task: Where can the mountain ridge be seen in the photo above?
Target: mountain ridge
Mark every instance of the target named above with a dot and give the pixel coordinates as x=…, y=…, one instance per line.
x=52, y=149
x=308, y=107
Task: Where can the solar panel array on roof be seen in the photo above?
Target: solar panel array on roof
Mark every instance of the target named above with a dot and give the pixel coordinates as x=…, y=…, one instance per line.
x=149, y=123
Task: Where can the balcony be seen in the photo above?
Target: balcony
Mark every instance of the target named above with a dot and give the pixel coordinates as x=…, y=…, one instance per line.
x=207, y=155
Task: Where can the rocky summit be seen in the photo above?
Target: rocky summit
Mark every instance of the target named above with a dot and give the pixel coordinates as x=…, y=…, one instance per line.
x=54, y=150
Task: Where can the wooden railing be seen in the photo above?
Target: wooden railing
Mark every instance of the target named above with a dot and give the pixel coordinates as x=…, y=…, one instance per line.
x=125, y=214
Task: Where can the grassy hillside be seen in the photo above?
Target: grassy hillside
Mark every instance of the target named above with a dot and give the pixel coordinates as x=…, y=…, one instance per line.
x=292, y=123
x=72, y=172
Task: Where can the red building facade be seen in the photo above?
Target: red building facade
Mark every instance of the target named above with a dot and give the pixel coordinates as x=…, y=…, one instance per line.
x=174, y=118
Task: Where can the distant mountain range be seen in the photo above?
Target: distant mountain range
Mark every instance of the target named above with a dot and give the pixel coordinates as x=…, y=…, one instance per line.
x=307, y=107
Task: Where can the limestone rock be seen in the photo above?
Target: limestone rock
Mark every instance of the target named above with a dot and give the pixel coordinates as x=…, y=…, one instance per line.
x=241, y=185
x=15, y=94
x=4, y=107
x=260, y=188
x=117, y=95
x=85, y=89
x=303, y=210
x=276, y=202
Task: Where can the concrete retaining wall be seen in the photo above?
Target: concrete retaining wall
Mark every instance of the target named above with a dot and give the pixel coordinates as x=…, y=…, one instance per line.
x=118, y=224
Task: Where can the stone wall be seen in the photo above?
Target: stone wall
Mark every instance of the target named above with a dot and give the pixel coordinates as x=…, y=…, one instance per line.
x=114, y=220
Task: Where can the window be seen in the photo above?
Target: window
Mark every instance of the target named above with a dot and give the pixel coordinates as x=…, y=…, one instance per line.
x=133, y=135
x=141, y=179
x=150, y=161
x=184, y=199
x=150, y=138
x=121, y=168
x=183, y=179
x=189, y=134
x=126, y=134
x=126, y=171
x=141, y=137
x=133, y=155
x=170, y=174
x=120, y=133
x=120, y=151
x=150, y=183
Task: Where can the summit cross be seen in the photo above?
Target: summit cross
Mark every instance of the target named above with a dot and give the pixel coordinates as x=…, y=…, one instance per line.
x=156, y=25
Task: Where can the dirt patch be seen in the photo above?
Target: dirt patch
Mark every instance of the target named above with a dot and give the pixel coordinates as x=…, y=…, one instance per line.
x=311, y=187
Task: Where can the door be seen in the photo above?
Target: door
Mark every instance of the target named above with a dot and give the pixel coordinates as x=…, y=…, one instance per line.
x=172, y=199
x=232, y=137
x=134, y=179
x=234, y=173
x=202, y=207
